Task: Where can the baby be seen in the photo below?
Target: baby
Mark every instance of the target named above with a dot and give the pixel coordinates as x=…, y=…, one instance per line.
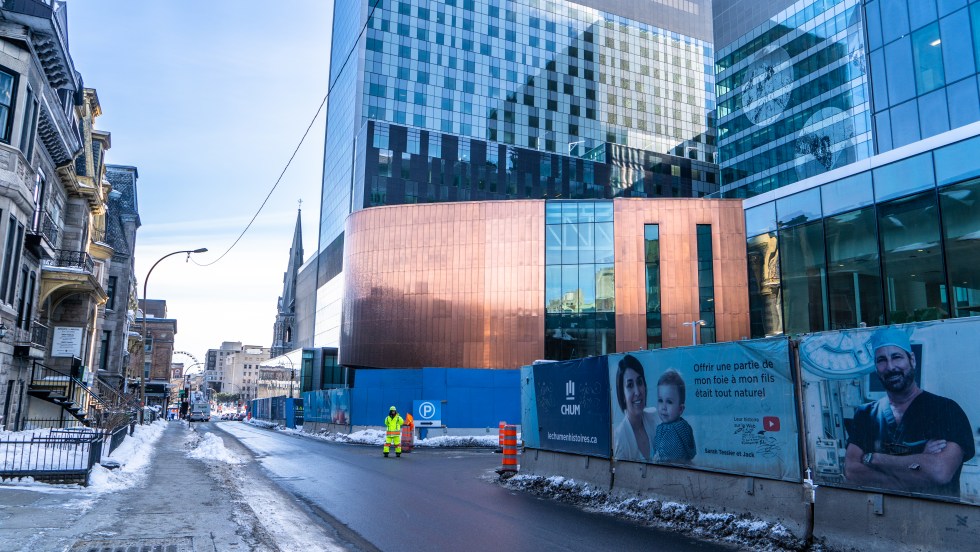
x=674, y=440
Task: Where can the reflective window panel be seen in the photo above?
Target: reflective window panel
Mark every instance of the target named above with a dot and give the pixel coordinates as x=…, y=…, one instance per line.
x=961, y=229
x=804, y=274
x=853, y=271
x=912, y=265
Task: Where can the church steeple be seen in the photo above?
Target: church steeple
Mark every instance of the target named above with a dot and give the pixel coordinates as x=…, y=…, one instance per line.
x=282, y=341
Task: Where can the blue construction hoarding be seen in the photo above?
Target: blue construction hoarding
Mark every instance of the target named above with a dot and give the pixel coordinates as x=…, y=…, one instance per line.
x=473, y=398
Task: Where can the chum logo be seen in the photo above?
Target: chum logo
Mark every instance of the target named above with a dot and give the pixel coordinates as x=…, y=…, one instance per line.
x=570, y=409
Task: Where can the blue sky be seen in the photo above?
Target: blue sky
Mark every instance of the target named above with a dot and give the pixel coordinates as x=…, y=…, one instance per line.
x=208, y=100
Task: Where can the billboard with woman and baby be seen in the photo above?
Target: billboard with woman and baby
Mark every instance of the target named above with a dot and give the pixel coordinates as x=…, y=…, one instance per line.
x=725, y=407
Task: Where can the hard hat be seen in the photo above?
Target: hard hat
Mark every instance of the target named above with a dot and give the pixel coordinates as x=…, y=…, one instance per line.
x=393, y=409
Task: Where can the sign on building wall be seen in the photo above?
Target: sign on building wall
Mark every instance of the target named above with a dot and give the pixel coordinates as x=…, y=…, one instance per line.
x=66, y=341
x=895, y=408
x=573, y=406
x=725, y=407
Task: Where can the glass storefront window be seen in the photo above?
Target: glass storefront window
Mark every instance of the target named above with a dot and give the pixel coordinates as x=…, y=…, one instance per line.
x=961, y=228
x=803, y=278
x=765, y=296
x=853, y=272
x=904, y=177
x=912, y=266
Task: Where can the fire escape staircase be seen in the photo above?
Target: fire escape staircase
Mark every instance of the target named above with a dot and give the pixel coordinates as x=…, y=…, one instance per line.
x=89, y=406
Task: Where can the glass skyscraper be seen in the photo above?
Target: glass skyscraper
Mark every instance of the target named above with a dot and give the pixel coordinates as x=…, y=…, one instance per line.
x=467, y=100
x=852, y=128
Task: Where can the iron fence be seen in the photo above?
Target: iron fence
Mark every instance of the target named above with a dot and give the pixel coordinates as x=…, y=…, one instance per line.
x=53, y=456
x=117, y=436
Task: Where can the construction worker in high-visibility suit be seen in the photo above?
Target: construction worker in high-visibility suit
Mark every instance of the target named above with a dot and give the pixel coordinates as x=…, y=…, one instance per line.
x=393, y=434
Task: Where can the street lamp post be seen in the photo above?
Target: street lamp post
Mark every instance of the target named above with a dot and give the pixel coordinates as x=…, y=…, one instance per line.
x=694, y=330
x=145, y=282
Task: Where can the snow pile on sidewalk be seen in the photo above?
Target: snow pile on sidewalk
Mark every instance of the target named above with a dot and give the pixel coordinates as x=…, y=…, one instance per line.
x=210, y=447
x=133, y=456
x=725, y=527
x=377, y=437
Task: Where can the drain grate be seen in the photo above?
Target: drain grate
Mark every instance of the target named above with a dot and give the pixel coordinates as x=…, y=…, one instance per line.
x=174, y=544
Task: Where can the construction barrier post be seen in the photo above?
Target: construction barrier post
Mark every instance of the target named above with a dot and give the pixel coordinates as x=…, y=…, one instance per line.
x=509, y=462
x=407, y=435
x=500, y=438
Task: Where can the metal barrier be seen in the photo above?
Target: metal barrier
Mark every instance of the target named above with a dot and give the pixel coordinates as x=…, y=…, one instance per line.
x=56, y=456
x=117, y=436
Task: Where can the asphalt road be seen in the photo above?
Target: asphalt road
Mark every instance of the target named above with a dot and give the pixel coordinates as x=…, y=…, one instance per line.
x=435, y=499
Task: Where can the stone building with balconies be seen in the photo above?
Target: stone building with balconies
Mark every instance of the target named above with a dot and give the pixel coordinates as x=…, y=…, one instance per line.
x=55, y=254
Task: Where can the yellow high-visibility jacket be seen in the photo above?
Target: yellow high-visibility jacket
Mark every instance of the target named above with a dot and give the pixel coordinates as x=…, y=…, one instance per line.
x=394, y=424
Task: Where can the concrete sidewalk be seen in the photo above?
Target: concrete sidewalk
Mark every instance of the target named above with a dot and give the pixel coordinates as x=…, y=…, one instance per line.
x=182, y=504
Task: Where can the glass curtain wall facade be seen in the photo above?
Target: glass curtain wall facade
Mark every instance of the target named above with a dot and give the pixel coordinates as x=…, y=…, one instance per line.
x=889, y=245
x=580, y=283
x=793, y=99
x=924, y=64
x=623, y=103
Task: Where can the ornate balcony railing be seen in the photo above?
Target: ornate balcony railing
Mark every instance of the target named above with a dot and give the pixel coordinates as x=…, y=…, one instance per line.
x=65, y=258
x=45, y=226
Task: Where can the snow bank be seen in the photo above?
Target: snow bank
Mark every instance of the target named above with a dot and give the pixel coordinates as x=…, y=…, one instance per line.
x=133, y=456
x=743, y=530
x=211, y=447
x=377, y=437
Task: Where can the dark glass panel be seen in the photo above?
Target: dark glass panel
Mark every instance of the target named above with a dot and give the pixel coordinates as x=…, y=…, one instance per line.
x=961, y=227
x=804, y=271
x=912, y=268
x=706, y=283
x=853, y=270
x=655, y=338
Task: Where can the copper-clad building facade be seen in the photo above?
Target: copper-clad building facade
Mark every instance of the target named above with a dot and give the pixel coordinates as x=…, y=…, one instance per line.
x=466, y=284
